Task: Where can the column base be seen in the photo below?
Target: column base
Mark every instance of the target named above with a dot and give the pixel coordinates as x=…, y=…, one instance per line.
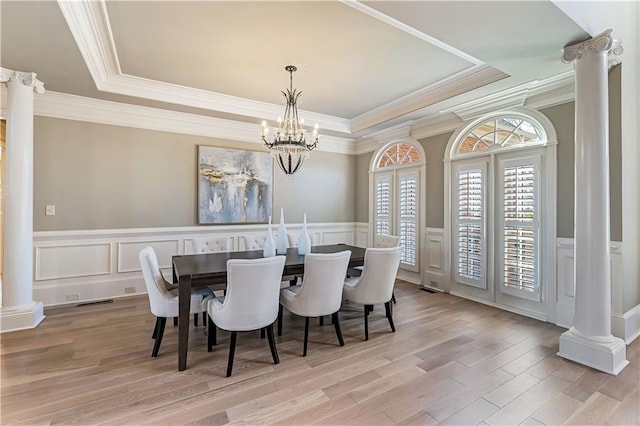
x=608, y=355
x=21, y=317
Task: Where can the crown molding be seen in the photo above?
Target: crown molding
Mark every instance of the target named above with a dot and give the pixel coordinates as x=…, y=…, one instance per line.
x=461, y=82
x=553, y=89
x=88, y=21
x=79, y=108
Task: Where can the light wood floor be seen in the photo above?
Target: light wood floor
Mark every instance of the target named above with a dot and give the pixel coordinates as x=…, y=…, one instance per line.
x=451, y=361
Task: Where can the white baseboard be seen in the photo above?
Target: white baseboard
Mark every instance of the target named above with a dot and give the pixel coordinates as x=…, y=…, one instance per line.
x=627, y=325
x=519, y=311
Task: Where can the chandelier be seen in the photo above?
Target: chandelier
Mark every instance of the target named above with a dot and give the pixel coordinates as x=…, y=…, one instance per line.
x=288, y=144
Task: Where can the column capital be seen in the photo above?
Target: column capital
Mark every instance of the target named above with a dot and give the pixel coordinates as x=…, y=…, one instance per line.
x=602, y=42
x=26, y=78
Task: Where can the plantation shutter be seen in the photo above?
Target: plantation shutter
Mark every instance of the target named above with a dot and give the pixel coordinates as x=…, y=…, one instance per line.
x=408, y=226
x=383, y=204
x=470, y=256
x=520, y=242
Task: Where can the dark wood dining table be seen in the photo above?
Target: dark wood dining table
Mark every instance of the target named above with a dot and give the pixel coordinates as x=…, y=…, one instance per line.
x=200, y=270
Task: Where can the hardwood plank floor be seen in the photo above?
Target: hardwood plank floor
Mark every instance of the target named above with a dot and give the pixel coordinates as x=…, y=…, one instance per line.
x=451, y=361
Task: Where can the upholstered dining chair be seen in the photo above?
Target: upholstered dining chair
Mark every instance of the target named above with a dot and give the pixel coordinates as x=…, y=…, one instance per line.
x=201, y=245
x=251, y=302
x=382, y=241
x=319, y=294
x=256, y=242
x=210, y=244
x=163, y=301
x=375, y=285
x=293, y=239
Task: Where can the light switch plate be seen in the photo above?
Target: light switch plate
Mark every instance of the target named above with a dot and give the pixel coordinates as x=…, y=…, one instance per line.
x=50, y=210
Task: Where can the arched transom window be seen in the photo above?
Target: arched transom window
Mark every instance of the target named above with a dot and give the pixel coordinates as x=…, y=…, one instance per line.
x=400, y=153
x=500, y=132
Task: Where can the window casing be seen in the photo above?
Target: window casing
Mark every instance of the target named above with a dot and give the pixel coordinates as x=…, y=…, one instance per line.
x=396, y=209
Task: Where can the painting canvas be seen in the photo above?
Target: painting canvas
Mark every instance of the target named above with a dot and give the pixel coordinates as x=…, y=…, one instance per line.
x=234, y=186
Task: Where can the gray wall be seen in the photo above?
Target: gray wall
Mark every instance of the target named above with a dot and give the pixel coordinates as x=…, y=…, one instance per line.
x=434, y=148
x=362, y=187
x=104, y=177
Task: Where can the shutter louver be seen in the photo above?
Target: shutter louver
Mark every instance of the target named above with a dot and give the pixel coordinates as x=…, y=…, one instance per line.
x=470, y=238
x=520, y=231
x=383, y=206
x=408, y=218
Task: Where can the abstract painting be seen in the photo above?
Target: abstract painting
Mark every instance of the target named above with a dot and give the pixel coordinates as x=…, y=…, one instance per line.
x=234, y=186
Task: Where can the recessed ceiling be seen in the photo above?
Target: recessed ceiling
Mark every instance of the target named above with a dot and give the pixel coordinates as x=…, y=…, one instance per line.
x=361, y=66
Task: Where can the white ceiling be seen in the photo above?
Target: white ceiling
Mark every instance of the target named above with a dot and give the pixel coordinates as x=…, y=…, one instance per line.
x=361, y=66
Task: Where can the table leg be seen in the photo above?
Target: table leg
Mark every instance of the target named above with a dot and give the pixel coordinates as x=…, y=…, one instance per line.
x=184, y=302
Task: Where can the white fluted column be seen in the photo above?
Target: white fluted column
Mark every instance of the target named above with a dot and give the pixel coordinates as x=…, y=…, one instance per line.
x=19, y=310
x=590, y=341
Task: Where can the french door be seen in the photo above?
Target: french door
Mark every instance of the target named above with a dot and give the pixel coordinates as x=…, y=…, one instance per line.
x=397, y=200
x=496, y=232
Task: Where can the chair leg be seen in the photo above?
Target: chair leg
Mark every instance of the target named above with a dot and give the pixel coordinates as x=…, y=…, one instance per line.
x=262, y=333
x=211, y=335
x=393, y=297
x=387, y=308
x=195, y=319
x=175, y=321
x=232, y=351
x=155, y=329
x=335, y=318
x=156, y=347
x=280, y=308
x=321, y=321
x=366, y=322
x=306, y=336
x=272, y=344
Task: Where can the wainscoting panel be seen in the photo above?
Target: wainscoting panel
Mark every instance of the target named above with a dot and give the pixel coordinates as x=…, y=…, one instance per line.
x=82, y=266
x=82, y=259
x=625, y=325
x=128, y=253
x=434, y=259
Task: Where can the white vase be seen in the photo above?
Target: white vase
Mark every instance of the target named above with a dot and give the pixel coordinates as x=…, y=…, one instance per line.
x=269, y=249
x=281, y=243
x=304, y=240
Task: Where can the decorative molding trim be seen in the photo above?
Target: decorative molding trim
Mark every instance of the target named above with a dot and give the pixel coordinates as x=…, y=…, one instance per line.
x=21, y=317
x=601, y=43
x=72, y=260
x=88, y=21
x=517, y=96
x=607, y=356
x=627, y=325
x=436, y=124
x=27, y=78
x=124, y=277
x=456, y=84
x=79, y=108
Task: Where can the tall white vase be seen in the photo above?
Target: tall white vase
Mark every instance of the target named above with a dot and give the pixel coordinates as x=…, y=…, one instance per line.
x=304, y=240
x=269, y=249
x=281, y=243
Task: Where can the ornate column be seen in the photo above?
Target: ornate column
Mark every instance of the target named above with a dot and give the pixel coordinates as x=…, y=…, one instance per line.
x=590, y=341
x=18, y=309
